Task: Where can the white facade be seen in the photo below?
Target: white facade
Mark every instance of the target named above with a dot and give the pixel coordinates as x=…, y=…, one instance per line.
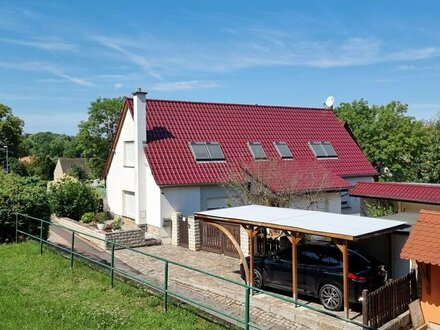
x=120, y=178
x=354, y=203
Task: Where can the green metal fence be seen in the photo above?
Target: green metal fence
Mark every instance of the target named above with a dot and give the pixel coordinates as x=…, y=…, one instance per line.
x=163, y=289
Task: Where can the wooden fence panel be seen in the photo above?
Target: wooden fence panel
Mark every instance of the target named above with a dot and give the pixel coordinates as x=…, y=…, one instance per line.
x=389, y=301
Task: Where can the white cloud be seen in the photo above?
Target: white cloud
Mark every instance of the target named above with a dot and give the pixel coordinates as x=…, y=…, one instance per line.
x=185, y=85
x=122, y=46
x=48, y=68
x=118, y=85
x=50, y=44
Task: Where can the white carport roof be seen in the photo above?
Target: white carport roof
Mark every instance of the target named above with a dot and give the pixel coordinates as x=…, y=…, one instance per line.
x=331, y=225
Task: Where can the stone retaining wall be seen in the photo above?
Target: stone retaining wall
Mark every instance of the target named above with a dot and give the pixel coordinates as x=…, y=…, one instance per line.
x=132, y=237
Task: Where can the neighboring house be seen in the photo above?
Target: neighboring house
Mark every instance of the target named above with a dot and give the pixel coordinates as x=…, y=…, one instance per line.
x=406, y=200
x=423, y=246
x=174, y=156
x=64, y=165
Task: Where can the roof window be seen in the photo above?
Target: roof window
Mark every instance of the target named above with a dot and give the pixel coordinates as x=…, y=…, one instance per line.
x=283, y=150
x=207, y=151
x=323, y=149
x=257, y=150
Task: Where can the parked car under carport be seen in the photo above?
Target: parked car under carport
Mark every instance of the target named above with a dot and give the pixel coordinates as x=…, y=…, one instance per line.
x=319, y=272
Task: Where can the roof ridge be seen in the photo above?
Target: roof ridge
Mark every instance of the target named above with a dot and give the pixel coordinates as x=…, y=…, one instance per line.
x=432, y=185
x=239, y=104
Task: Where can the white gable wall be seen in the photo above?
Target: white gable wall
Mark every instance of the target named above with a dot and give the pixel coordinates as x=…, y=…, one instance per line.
x=120, y=178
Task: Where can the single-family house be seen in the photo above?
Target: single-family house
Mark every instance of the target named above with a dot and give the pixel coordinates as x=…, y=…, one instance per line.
x=404, y=201
x=174, y=156
x=423, y=246
x=64, y=165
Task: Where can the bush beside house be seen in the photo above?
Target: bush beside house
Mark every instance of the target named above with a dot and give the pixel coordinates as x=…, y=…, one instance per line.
x=27, y=195
x=71, y=198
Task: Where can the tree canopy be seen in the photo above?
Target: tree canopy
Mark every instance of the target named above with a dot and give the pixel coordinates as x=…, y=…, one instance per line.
x=11, y=130
x=45, y=149
x=96, y=133
x=400, y=147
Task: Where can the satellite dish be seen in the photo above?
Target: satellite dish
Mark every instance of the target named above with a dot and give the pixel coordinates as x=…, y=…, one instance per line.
x=329, y=102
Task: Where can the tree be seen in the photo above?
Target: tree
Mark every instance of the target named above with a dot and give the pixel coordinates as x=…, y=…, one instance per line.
x=393, y=141
x=96, y=133
x=78, y=172
x=278, y=183
x=430, y=168
x=26, y=195
x=11, y=129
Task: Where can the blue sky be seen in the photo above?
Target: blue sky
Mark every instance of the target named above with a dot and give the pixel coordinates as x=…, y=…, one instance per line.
x=58, y=56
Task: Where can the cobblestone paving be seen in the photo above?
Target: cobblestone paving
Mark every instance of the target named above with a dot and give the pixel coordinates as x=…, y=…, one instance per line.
x=266, y=311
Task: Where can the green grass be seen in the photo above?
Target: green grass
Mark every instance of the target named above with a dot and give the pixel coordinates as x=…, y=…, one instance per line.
x=42, y=292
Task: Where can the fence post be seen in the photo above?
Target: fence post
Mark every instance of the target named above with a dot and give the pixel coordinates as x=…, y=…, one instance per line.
x=365, y=306
x=72, y=249
x=41, y=237
x=165, y=288
x=246, y=308
x=112, y=265
x=16, y=227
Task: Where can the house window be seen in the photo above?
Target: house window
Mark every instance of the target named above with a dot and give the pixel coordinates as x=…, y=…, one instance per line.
x=128, y=208
x=283, y=150
x=257, y=150
x=207, y=151
x=129, y=154
x=323, y=149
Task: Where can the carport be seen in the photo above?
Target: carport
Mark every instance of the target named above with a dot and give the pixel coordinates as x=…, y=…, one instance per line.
x=295, y=224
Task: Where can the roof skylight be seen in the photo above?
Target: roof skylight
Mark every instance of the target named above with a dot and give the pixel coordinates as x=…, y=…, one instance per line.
x=207, y=151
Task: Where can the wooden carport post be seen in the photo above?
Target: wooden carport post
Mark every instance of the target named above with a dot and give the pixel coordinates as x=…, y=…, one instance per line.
x=294, y=238
x=342, y=245
x=251, y=231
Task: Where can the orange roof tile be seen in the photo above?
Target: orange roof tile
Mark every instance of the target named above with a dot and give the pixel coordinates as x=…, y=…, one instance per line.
x=423, y=243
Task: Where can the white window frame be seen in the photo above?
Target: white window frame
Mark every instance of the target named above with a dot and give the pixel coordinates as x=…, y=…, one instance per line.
x=131, y=213
x=129, y=160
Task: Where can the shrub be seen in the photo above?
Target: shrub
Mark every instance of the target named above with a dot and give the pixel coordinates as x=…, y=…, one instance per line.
x=117, y=224
x=88, y=217
x=100, y=217
x=25, y=195
x=71, y=198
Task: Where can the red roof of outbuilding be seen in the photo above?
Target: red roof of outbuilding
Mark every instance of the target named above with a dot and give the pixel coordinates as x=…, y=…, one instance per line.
x=173, y=125
x=412, y=192
x=423, y=243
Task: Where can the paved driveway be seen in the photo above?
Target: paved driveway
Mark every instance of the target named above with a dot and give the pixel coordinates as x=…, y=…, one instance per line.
x=266, y=311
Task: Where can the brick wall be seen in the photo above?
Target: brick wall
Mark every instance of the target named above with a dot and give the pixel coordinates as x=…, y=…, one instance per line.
x=132, y=237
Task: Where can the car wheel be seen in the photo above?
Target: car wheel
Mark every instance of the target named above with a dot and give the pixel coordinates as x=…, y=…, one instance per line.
x=258, y=279
x=330, y=297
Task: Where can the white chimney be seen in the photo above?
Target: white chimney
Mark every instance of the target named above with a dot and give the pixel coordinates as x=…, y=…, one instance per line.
x=140, y=139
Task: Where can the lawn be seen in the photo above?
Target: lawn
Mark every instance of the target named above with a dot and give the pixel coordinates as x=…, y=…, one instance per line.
x=42, y=292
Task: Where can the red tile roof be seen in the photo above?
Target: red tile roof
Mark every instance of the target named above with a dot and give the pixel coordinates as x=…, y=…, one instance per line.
x=413, y=192
x=172, y=125
x=301, y=175
x=423, y=243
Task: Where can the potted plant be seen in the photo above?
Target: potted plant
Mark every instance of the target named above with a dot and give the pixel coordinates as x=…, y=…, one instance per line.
x=100, y=220
x=101, y=224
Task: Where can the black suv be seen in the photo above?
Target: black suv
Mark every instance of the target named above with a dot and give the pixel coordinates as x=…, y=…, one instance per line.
x=319, y=272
